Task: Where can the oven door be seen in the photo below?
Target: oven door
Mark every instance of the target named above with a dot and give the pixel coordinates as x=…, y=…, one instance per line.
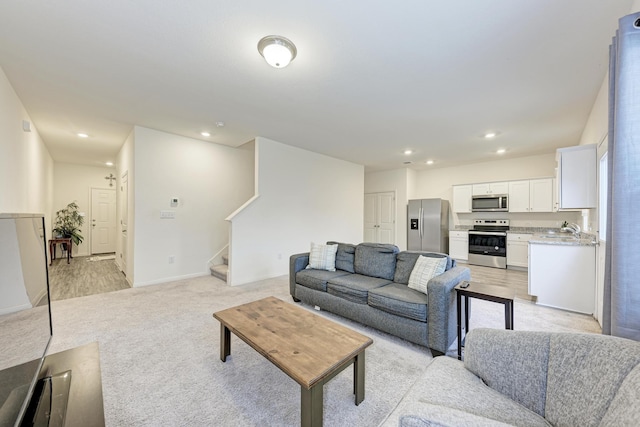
x=490, y=243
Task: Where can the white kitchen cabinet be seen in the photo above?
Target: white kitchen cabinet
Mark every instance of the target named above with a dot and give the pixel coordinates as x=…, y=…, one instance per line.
x=577, y=177
x=462, y=198
x=535, y=195
x=563, y=276
x=518, y=250
x=490, y=188
x=459, y=245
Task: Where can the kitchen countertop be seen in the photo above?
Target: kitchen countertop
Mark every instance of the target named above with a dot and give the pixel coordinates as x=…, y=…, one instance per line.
x=584, y=239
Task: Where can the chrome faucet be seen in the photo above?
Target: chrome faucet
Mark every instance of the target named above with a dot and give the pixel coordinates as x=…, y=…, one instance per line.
x=571, y=228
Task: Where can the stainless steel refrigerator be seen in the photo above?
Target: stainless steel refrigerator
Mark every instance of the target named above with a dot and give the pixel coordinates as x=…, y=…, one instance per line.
x=428, y=225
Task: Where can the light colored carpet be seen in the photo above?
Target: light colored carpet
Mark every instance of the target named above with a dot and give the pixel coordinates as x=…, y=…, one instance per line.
x=159, y=353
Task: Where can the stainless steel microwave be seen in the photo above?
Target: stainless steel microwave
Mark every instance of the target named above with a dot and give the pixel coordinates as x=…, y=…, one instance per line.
x=490, y=203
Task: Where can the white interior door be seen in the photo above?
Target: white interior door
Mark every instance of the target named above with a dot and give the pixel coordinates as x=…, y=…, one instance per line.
x=386, y=210
x=370, y=229
x=380, y=217
x=124, y=212
x=103, y=220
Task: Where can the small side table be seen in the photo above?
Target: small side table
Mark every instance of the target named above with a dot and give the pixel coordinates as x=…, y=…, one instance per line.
x=485, y=292
x=52, y=247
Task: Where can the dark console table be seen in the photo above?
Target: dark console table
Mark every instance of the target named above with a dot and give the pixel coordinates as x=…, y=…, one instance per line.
x=62, y=240
x=493, y=293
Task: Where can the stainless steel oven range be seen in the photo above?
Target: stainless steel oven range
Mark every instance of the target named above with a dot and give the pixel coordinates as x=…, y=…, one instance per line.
x=488, y=242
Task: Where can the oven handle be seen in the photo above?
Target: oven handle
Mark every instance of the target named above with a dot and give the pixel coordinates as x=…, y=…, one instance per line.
x=488, y=233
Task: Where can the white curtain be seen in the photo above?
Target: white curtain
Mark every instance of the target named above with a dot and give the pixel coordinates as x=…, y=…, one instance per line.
x=621, y=314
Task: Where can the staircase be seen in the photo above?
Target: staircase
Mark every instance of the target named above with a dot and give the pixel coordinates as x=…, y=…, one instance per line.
x=220, y=270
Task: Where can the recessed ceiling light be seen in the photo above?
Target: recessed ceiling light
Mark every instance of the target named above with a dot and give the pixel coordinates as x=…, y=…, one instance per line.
x=83, y=135
x=109, y=163
x=205, y=134
x=407, y=152
x=501, y=151
x=490, y=135
x=429, y=162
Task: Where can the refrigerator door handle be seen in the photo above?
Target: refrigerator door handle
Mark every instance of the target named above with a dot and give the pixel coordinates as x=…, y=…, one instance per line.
x=421, y=219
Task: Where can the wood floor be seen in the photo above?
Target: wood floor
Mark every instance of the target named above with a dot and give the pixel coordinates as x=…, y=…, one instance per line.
x=514, y=279
x=83, y=277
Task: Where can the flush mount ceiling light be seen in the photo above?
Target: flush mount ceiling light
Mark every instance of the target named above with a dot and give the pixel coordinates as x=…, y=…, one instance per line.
x=407, y=152
x=82, y=135
x=205, y=134
x=490, y=135
x=277, y=51
x=501, y=151
x=429, y=162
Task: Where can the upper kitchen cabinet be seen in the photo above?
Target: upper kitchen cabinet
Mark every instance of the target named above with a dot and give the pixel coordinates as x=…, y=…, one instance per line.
x=462, y=198
x=577, y=177
x=490, y=188
x=535, y=195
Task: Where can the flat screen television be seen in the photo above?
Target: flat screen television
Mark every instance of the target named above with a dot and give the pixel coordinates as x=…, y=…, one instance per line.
x=25, y=315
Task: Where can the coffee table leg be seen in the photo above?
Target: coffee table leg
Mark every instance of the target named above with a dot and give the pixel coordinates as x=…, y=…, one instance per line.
x=459, y=307
x=225, y=342
x=311, y=406
x=358, y=378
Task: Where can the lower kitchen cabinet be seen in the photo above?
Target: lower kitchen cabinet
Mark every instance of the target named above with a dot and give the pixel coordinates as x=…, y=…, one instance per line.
x=518, y=250
x=459, y=245
x=563, y=276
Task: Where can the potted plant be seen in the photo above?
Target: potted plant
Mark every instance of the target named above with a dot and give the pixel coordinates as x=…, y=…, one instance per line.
x=68, y=223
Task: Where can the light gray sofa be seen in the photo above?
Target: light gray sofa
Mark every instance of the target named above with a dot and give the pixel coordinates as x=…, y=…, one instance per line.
x=370, y=287
x=525, y=378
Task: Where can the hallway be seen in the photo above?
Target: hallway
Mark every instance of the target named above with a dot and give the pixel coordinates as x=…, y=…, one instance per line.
x=84, y=277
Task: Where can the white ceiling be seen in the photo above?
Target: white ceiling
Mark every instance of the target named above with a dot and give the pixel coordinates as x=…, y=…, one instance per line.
x=371, y=79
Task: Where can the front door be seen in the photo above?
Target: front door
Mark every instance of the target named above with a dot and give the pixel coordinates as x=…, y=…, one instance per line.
x=103, y=221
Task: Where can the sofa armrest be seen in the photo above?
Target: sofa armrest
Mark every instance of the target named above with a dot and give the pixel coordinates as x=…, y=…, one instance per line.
x=505, y=360
x=297, y=262
x=441, y=307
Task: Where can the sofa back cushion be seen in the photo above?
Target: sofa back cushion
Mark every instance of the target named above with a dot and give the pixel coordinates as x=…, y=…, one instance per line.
x=376, y=260
x=406, y=260
x=625, y=408
x=585, y=372
x=345, y=256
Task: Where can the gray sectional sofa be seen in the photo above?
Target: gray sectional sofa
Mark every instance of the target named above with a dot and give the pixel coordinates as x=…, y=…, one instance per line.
x=369, y=286
x=526, y=378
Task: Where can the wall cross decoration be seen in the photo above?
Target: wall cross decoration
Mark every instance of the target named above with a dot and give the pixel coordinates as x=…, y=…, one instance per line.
x=111, y=178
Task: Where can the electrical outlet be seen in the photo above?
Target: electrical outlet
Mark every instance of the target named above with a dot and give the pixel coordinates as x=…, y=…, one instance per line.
x=172, y=259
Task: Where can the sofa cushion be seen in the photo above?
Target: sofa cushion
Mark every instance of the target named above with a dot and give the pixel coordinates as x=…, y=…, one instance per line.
x=400, y=300
x=625, y=408
x=406, y=260
x=376, y=260
x=323, y=257
x=345, y=256
x=425, y=269
x=317, y=279
x=585, y=372
x=354, y=287
x=446, y=383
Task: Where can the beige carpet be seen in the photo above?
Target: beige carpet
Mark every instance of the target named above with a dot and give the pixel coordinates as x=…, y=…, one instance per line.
x=159, y=351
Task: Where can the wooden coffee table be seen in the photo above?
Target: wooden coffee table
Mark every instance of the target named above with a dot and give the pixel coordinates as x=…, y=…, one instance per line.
x=309, y=348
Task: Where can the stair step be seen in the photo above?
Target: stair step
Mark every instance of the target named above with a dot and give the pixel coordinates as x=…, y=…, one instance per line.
x=220, y=271
x=225, y=259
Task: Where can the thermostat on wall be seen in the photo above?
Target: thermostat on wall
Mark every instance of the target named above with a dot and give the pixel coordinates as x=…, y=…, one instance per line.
x=174, y=201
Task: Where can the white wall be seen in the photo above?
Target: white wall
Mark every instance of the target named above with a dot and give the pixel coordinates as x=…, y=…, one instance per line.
x=26, y=168
x=398, y=181
x=210, y=180
x=302, y=197
x=73, y=182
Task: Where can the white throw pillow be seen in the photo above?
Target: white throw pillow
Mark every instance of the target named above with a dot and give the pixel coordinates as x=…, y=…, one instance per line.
x=425, y=269
x=323, y=257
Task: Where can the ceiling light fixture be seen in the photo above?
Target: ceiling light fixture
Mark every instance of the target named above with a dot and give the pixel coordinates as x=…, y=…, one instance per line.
x=501, y=151
x=490, y=135
x=205, y=134
x=109, y=163
x=277, y=50
x=83, y=135
x=407, y=152
x=220, y=124
x=429, y=162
